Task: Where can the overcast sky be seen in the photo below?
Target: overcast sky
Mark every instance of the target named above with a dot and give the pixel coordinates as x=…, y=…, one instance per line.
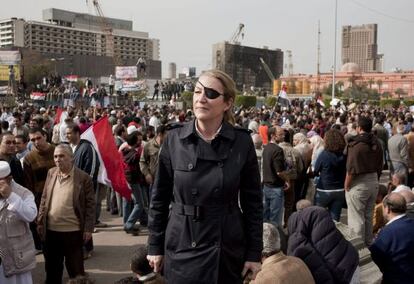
x=188, y=28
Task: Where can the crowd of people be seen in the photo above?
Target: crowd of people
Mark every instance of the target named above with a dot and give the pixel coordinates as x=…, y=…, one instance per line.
x=229, y=195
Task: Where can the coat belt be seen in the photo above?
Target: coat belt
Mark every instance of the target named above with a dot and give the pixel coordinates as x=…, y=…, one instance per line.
x=198, y=212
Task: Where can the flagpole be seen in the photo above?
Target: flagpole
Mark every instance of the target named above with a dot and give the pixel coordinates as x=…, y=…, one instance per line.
x=334, y=59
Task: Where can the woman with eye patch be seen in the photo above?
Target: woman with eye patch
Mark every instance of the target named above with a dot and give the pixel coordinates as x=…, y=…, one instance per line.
x=208, y=173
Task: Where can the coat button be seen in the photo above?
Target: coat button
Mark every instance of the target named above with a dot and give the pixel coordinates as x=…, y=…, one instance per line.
x=190, y=166
x=193, y=244
x=220, y=164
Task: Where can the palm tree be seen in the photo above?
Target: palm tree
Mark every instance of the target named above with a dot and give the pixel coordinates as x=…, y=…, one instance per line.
x=340, y=85
x=400, y=92
x=371, y=82
x=379, y=84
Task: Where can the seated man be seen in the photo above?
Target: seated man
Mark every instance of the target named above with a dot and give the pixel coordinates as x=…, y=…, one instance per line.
x=314, y=238
x=142, y=270
x=393, y=250
x=277, y=267
x=398, y=180
x=409, y=199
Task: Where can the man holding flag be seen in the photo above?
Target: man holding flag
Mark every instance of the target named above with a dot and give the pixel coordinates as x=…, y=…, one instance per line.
x=86, y=159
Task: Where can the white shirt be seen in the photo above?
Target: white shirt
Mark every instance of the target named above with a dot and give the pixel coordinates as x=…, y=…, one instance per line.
x=401, y=187
x=394, y=219
x=26, y=210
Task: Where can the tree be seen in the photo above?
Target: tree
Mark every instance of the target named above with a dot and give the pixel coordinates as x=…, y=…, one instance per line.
x=379, y=84
x=352, y=80
x=371, y=82
x=400, y=92
x=340, y=85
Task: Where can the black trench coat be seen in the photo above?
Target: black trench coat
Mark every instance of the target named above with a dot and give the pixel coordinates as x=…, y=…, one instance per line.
x=208, y=234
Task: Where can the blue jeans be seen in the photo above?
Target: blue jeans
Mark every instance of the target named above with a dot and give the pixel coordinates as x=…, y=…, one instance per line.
x=333, y=200
x=132, y=211
x=273, y=200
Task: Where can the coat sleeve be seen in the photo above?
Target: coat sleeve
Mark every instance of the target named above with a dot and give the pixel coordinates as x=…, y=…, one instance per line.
x=23, y=207
x=379, y=252
x=318, y=165
x=252, y=205
x=144, y=161
x=160, y=200
x=28, y=175
x=17, y=171
x=90, y=205
x=41, y=213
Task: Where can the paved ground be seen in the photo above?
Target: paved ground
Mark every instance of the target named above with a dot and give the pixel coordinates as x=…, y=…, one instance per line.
x=113, y=249
x=110, y=260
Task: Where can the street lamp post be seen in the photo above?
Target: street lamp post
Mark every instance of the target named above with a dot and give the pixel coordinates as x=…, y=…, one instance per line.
x=334, y=58
x=55, y=62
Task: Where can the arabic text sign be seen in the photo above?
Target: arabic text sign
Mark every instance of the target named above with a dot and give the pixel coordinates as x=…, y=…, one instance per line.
x=126, y=72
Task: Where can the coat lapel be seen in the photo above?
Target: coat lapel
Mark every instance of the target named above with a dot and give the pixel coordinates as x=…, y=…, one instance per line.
x=50, y=186
x=76, y=185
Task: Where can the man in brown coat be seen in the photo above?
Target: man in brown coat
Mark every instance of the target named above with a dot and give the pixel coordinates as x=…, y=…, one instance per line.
x=66, y=216
x=277, y=268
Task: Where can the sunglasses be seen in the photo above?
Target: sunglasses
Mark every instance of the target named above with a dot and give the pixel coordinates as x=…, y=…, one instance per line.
x=210, y=93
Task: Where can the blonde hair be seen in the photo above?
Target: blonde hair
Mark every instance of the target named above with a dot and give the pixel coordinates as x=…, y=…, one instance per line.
x=229, y=88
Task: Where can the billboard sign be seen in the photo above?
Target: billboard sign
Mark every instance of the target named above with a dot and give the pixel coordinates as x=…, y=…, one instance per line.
x=5, y=71
x=126, y=72
x=8, y=57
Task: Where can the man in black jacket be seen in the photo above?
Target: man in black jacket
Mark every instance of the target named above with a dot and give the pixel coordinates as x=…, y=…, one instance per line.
x=273, y=193
x=86, y=159
x=8, y=154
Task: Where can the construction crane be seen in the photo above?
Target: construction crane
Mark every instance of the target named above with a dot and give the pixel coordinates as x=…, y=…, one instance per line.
x=108, y=31
x=239, y=32
x=267, y=69
x=269, y=74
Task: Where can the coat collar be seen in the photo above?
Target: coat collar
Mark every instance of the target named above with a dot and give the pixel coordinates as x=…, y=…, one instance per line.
x=274, y=258
x=188, y=129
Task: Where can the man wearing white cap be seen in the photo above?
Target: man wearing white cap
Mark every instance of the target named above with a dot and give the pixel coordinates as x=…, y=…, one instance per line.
x=17, y=252
x=276, y=266
x=112, y=118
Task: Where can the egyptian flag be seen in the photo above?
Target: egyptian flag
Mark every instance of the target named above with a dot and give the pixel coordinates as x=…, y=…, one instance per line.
x=60, y=116
x=111, y=171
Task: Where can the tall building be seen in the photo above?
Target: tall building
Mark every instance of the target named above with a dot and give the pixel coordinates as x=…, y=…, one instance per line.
x=172, y=70
x=81, y=39
x=189, y=72
x=243, y=64
x=359, y=45
x=12, y=33
x=154, y=49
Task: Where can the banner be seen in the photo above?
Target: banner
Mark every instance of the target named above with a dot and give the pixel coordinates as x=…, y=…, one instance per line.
x=72, y=78
x=4, y=72
x=126, y=72
x=8, y=57
x=38, y=96
x=133, y=86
